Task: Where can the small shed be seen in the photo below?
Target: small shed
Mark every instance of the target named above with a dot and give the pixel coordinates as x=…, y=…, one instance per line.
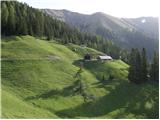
x=87, y=57
x=104, y=57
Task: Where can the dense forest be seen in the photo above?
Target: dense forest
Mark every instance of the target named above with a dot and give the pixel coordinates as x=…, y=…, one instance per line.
x=140, y=70
x=21, y=19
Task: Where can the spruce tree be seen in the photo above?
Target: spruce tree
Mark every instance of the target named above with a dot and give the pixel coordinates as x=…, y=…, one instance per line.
x=79, y=86
x=138, y=67
x=132, y=68
x=135, y=69
x=4, y=16
x=144, y=71
x=11, y=20
x=154, y=70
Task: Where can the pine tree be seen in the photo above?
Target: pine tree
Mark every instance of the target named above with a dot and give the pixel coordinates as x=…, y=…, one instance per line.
x=138, y=68
x=4, y=16
x=80, y=87
x=154, y=70
x=132, y=68
x=144, y=71
x=135, y=69
x=48, y=34
x=37, y=24
x=11, y=20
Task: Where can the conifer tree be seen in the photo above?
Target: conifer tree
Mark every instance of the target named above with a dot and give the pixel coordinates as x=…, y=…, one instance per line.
x=138, y=67
x=135, y=69
x=132, y=68
x=11, y=20
x=144, y=71
x=154, y=70
x=4, y=16
x=80, y=87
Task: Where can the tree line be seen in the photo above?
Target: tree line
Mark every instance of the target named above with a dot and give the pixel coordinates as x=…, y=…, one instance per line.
x=21, y=19
x=140, y=69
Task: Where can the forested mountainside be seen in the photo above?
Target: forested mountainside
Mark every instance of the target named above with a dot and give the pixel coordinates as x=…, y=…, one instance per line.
x=20, y=19
x=126, y=32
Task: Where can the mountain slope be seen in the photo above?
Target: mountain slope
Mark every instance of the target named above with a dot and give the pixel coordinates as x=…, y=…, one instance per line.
x=82, y=20
x=127, y=32
x=38, y=81
x=147, y=25
x=14, y=107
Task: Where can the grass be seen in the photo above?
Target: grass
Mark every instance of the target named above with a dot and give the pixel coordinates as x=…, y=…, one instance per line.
x=13, y=107
x=37, y=82
x=122, y=101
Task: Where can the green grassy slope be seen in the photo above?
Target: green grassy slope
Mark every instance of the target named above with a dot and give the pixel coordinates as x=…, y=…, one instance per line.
x=16, y=108
x=38, y=79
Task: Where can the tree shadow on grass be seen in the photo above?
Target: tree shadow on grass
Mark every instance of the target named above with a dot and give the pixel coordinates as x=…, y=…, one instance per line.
x=148, y=103
x=98, y=69
x=124, y=96
x=92, y=66
x=67, y=91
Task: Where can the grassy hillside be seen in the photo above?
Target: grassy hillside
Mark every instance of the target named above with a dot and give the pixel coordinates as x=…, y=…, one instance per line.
x=38, y=81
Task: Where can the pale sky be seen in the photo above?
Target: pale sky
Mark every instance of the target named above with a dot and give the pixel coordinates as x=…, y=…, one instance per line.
x=117, y=8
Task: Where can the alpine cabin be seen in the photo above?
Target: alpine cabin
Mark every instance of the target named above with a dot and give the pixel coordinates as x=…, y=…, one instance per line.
x=104, y=57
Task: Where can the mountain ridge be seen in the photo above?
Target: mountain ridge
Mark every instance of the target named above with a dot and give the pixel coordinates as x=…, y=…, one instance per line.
x=127, y=32
x=127, y=21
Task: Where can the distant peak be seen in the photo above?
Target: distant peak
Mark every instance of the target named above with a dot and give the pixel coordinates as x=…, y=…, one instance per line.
x=102, y=14
x=65, y=10
x=98, y=13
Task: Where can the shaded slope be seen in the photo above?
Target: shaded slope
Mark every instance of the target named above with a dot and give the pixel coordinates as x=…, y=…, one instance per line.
x=118, y=103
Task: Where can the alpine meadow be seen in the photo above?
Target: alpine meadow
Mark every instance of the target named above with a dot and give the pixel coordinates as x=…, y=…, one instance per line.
x=58, y=64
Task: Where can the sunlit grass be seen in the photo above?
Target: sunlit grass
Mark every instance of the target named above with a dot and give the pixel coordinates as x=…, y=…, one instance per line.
x=37, y=75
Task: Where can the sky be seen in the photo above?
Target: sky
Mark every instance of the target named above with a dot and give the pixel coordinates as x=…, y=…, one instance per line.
x=117, y=8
